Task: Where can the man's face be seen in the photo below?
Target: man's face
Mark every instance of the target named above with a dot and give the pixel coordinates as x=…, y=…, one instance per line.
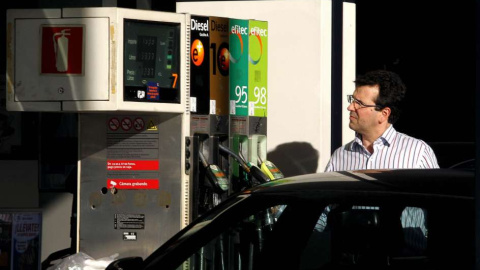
x=363, y=119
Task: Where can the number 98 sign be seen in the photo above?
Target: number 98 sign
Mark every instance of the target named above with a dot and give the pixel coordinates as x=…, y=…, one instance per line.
x=261, y=95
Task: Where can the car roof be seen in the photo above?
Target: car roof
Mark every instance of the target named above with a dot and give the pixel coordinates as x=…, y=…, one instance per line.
x=446, y=182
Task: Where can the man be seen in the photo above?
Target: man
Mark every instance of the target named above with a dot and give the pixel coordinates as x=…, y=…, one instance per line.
x=374, y=108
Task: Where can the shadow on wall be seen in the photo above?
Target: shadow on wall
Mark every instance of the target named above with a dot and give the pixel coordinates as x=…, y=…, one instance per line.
x=295, y=158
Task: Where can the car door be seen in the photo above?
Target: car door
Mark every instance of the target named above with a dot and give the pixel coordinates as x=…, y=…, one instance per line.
x=257, y=233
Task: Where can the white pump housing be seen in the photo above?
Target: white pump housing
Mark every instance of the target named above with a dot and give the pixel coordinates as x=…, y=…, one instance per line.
x=72, y=60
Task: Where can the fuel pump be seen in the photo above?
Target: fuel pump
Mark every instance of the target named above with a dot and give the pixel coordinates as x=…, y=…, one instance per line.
x=208, y=177
x=248, y=98
x=209, y=111
x=244, y=152
x=124, y=72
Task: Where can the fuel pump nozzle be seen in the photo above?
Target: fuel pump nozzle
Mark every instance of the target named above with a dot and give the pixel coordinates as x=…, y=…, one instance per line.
x=254, y=171
x=270, y=169
x=215, y=175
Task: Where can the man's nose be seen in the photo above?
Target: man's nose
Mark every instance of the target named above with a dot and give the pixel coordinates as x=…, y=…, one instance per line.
x=351, y=107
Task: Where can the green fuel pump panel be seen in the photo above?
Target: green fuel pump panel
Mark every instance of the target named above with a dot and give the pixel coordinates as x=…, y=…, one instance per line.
x=248, y=95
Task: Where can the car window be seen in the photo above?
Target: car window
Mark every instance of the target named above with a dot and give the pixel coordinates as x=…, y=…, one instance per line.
x=349, y=236
x=415, y=231
x=237, y=245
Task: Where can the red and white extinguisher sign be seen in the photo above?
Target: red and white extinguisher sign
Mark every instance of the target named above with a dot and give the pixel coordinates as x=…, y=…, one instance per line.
x=62, y=49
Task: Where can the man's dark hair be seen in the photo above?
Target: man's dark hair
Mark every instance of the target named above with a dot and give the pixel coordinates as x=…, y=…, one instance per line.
x=391, y=90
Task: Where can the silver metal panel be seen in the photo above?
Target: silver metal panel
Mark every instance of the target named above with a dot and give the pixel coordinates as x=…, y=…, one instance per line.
x=31, y=85
x=248, y=125
x=155, y=214
x=208, y=124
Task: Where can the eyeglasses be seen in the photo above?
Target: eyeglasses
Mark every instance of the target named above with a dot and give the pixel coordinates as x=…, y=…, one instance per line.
x=358, y=104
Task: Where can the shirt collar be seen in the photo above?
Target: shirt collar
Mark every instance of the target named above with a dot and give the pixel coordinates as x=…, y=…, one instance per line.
x=387, y=137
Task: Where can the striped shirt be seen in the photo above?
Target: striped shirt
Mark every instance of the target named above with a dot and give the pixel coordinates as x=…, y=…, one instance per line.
x=392, y=150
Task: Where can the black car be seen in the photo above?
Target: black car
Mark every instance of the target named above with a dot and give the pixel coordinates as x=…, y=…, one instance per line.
x=373, y=219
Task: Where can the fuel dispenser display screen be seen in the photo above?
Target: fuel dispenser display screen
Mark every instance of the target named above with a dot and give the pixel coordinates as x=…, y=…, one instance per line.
x=151, y=61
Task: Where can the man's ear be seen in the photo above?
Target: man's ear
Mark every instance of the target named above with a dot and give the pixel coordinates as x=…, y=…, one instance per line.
x=385, y=113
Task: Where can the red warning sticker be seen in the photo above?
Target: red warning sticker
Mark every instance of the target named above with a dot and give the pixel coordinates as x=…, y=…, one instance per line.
x=132, y=165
